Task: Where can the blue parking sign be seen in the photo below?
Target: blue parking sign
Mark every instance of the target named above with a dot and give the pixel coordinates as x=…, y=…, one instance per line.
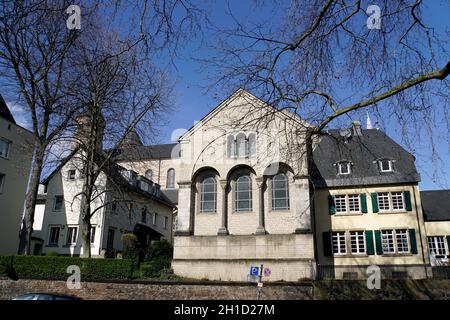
x=254, y=271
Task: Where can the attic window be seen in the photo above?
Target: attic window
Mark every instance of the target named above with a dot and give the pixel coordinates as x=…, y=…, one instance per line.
x=344, y=167
x=385, y=165
x=71, y=174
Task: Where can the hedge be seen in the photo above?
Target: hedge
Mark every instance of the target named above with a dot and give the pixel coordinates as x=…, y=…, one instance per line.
x=56, y=267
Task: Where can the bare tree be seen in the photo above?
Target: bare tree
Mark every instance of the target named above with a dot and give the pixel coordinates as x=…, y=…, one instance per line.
x=322, y=60
x=34, y=45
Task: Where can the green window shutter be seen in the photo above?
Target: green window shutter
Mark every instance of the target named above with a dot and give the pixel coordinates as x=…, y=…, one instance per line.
x=370, y=249
x=448, y=242
x=374, y=202
x=363, y=199
x=413, y=240
x=326, y=241
x=407, y=196
x=331, y=205
x=378, y=242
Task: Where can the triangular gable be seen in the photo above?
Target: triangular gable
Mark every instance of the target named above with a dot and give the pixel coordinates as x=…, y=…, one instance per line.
x=238, y=93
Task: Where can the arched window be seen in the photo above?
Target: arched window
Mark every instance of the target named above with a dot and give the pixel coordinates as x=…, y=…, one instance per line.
x=280, y=192
x=230, y=147
x=208, y=195
x=241, y=145
x=149, y=174
x=252, y=144
x=170, y=178
x=243, y=194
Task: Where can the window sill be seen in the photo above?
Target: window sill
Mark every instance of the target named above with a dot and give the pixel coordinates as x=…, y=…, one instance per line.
x=393, y=255
x=239, y=212
x=349, y=214
x=207, y=212
x=280, y=210
x=392, y=212
x=349, y=255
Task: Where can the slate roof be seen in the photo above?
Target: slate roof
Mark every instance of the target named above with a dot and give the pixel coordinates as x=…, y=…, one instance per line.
x=436, y=205
x=172, y=194
x=4, y=111
x=159, y=151
x=362, y=151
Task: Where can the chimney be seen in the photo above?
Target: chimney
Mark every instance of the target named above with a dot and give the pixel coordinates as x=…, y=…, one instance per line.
x=83, y=131
x=356, y=128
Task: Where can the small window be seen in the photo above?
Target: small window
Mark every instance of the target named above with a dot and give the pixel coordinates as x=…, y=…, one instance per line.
x=113, y=207
x=386, y=165
x=154, y=218
x=2, y=181
x=252, y=144
x=241, y=145
x=171, y=178
x=149, y=174
x=166, y=222
x=93, y=228
x=339, y=243
x=54, y=236
x=4, y=148
x=144, y=215
x=58, y=203
x=340, y=203
x=71, y=174
x=344, y=168
x=231, y=144
x=71, y=235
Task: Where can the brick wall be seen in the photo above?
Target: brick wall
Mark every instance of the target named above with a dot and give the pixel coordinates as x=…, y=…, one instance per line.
x=153, y=291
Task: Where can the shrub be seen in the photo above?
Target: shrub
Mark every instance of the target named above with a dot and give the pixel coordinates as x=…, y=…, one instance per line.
x=52, y=254
x=155, y=268
x=160, y=248
x=56, y=267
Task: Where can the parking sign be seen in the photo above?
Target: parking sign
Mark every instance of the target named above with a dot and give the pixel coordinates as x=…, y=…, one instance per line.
x=254, y=271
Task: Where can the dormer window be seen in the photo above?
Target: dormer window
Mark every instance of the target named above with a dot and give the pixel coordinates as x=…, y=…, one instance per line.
x=385, y=165
x=71, y=174
x=344, y=167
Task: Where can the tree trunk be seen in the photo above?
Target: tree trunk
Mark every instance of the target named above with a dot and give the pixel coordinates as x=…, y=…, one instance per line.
x=30, y=200
x=86, y=233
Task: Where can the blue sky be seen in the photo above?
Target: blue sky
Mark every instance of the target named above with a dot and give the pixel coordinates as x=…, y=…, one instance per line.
x=192, y=101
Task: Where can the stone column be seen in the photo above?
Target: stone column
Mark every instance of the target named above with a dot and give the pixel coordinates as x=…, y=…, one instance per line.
x=260, y=181
x=303, y=205
x=184, y=209
x=223, y=230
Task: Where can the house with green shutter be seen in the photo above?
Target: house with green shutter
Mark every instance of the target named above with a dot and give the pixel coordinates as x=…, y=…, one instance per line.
x=367, y=208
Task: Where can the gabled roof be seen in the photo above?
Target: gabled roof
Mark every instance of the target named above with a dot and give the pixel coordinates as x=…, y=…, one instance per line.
x=5, y=113
x=363, y=152
x=436, y=205
x=226, y=102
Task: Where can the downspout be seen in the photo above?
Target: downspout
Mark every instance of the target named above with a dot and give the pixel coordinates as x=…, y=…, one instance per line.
x=420, y=233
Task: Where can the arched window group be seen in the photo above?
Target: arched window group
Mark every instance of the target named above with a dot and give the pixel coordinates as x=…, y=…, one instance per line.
x=241, y=145
x=170, y=178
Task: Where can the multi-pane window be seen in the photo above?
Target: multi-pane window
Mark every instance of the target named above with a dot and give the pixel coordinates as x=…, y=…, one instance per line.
x=397, y=201
x=54, y=236
x=357, y=242
x=383, y=201
x=436, y=246
x=390, y=201
x=347, y=203
x=344, y=167
x=338, y=242
x=243, y=194
x=171, y=178
x=387, y=241
x=385, y=165
x=71, y=235
x=402, y=240
x=4, y=148
x=280, y=192
x=208, y=195
x=58, y=203
x=395, y=241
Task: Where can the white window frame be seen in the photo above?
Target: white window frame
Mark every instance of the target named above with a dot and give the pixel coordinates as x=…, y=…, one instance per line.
x=339, y=236
x=357, y=235
x=434, y=246
x=73, y=237
x=286, y=195
x=395, y=238
x=384, y=235
x=2, y=181
x=203, y=192
x=54, y=203
x=390, y=202
x=341, y=165
x=8, y=149
x=390, y=169
x=250, y=194
x=346, y=199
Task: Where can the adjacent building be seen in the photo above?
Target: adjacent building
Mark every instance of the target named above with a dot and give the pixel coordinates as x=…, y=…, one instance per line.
x=16, y=151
